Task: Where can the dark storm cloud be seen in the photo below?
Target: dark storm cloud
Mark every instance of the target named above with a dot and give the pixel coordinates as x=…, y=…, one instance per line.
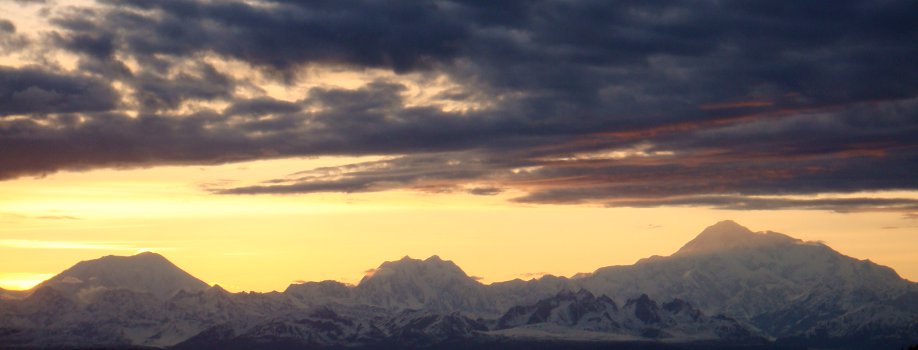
x=10, y=41
x=646, y=184
x=620, y=103
x=755, y=203
x=711, y=180
x=6, y=26
x=97, y=45
x=399, y=35
x=423, y=171
x=370, y=120
x=32, y=90
x=262, y=106
x=485, y=191
x=156, y=92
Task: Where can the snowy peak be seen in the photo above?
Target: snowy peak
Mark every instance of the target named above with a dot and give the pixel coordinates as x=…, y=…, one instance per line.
x=728, y=235
x=433, y=284
x=317, y=293
x=145, y=272
x=433, y=269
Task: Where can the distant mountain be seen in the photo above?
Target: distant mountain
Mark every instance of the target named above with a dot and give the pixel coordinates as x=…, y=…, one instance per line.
x=320, y=293
x=433, y=284
x=145, y=272
x=566, y=316
x=727, y=236
x=727, y=287
x=785, y=286
x=339, y=326
x=639, y=318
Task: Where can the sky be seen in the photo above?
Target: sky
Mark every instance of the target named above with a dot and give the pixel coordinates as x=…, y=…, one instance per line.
x=259, y=143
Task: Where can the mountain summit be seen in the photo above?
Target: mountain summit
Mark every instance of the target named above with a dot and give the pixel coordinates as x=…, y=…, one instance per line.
x=728, y=235
x=145, y=272
x=433, y=283
x=431, y=269
x=770, y=279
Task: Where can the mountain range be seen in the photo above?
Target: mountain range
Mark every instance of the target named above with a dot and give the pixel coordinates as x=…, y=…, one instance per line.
x=728, y=287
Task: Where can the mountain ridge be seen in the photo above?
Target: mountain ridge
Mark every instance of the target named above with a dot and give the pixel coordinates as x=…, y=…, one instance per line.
x=758, y=287
x=728, y=234
x=146, y=271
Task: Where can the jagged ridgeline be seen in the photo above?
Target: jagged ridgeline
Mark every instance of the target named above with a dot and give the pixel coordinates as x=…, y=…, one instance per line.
x=729, y=287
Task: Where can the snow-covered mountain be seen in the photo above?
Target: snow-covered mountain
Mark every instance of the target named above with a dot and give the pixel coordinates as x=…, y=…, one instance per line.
x=639, y=318
x=433, y=284
x=339, y=326
x=566, y=316
x=144, y=272
x=783, y=285
x=729, y=285
x=321, y=293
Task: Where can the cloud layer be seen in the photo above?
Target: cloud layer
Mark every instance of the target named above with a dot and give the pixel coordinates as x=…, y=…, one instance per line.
x=723, y=104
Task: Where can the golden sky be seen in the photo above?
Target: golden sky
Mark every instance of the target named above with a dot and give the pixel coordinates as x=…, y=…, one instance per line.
x=264, y=243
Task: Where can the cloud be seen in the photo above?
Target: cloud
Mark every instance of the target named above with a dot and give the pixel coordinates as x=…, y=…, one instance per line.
x=359, y=33
x=531, y=275
x=899, y=227
x=11, y=217
x=32, y=2
x=156, y=92
x=485, y=191
x=39, y=244
x=632, y=104
x=421, y=171
x=7, y=27
x=758, y=203
x=58, y=217
x=14, y=217
x=32, y=90
x=10, y=41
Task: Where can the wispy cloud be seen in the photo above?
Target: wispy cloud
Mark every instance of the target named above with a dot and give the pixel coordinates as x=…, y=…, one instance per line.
x=15, y=217
x=58, y=217
x=737, y=104
x=79, y=245
x=530, y=275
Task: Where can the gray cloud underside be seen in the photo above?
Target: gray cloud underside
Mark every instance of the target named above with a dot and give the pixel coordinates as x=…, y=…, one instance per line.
x=718, y=103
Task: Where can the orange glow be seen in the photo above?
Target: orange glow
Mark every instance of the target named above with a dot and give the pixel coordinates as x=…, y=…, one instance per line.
x=21, y=281
x=264, y=243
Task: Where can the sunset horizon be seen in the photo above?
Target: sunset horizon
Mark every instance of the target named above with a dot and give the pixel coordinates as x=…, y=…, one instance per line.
x=27, y=284
x=458, y=174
